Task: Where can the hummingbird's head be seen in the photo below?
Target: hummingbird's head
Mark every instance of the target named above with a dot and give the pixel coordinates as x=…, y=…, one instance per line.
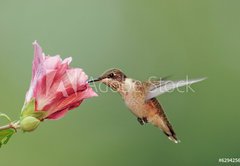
x=112, y=78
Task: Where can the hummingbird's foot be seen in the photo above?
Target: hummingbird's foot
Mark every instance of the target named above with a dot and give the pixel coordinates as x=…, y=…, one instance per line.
x=145, y=120
x=140, y=120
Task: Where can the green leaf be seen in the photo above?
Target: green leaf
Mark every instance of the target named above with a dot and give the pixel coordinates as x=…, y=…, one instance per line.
x=29, y=110
x=5, y=135
x=39, y=114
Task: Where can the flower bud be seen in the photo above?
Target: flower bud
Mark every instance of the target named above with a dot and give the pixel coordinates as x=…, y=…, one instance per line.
x=29, y=123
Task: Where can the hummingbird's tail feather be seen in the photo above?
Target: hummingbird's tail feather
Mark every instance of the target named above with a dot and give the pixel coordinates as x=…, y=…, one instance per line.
x=160, y=120
x=172, y=138
x=166, y=127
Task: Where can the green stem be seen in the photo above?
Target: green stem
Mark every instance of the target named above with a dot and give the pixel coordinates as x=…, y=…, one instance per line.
x=12, y=125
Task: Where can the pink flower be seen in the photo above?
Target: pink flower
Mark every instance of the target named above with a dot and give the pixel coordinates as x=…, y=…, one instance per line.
x=55, y=88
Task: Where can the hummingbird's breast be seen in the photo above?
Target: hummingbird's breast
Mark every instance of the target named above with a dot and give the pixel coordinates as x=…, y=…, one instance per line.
x=134, y=96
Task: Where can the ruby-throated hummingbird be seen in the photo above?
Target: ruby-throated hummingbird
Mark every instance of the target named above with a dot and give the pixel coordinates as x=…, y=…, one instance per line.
x=140, y=97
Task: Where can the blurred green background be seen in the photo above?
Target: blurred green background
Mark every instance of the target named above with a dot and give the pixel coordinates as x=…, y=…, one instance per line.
x=143, y=38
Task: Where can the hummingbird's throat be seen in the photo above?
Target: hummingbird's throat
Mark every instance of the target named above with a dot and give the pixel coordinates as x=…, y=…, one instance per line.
x=123, y=88
x=113, y=84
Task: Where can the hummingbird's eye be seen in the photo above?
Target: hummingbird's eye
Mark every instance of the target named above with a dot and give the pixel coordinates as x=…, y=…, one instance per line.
x=111, y=75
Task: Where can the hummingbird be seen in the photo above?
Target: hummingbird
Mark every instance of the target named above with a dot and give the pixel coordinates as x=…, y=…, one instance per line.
x=140, y=97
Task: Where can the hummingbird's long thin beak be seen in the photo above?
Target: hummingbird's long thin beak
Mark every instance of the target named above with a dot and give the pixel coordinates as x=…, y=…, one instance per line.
x=94, y=80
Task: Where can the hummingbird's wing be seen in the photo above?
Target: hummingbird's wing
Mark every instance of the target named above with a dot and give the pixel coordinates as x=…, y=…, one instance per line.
x=157, y=88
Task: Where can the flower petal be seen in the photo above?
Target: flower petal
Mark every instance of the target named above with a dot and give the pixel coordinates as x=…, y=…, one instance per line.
x=58, y=115
x=36, y=69
x=71, y=91
x=52, y=63
x=38, y=58
x=55, y=87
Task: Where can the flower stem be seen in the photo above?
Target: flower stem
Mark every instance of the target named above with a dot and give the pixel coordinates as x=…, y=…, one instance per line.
x=12, y=125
